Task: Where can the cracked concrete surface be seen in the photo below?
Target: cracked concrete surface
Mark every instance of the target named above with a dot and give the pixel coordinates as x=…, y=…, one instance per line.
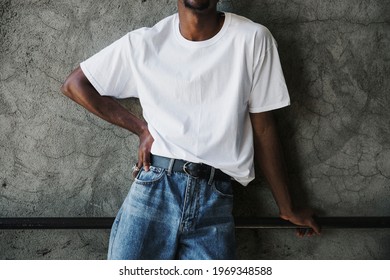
x=58, y=160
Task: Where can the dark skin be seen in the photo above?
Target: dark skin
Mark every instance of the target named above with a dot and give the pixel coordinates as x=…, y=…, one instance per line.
x=78, y=88
x=199, y=20
x=269, y=156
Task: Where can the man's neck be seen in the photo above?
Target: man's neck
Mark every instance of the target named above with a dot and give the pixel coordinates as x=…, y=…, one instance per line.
x=199, y=26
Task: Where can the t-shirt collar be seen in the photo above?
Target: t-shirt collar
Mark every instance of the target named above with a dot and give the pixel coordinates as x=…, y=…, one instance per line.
x=205, y=43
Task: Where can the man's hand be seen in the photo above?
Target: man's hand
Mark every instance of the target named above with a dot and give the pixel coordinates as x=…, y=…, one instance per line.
x=303, y=217
x=145, y=145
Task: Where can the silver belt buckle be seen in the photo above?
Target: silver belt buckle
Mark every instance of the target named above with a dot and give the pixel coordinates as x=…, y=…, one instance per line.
x=186, y=170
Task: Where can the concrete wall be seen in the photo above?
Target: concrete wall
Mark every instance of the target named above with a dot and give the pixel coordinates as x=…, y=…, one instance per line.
x=57, y=160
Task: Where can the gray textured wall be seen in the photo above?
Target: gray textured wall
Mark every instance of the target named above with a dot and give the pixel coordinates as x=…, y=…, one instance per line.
x=56, y=159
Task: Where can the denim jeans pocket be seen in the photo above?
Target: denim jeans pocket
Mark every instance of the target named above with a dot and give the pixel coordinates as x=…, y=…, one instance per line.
x=223, y=188
x=152, y=176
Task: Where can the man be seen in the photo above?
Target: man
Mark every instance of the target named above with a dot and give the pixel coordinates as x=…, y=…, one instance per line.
x=206, y=81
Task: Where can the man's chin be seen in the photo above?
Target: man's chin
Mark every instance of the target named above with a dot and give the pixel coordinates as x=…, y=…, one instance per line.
x=197, y=6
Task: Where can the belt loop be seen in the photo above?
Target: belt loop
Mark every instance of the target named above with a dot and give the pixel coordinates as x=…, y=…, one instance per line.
x=170, y=167
x=212, y=173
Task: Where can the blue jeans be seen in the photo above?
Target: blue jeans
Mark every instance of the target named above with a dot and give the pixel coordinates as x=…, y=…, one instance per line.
x=174, y=216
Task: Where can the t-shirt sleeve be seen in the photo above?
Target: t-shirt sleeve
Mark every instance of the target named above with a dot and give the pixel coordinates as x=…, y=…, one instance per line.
x=110, y=70
x=269, y=90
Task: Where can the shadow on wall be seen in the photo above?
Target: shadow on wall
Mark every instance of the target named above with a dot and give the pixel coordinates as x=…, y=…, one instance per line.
x=335, y=133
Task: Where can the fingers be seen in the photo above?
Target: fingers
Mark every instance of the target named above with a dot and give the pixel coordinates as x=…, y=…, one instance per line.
x=146, y=161
x=139, y=163
x=315, y=227
x=135, y=170
x=143, y=159
x=145, y=146
x=301, y=232
x=309, y=226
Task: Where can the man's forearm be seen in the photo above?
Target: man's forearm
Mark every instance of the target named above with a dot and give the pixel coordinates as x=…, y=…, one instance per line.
x=269, y=156
x=79, y=89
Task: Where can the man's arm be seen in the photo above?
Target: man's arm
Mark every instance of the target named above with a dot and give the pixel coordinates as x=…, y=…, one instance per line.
x=79, y=89
x=268, y=154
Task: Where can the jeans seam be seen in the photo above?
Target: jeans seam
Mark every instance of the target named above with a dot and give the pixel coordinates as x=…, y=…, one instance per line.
x=181, y=227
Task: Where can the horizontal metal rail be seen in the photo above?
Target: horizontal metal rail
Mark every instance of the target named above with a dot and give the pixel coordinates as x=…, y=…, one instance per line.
x=324, y=222
x=240, y=222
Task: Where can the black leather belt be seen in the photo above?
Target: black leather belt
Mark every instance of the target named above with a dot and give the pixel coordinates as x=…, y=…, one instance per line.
x=197, y=170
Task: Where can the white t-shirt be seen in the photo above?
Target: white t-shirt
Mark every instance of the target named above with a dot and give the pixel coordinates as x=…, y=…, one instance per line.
x=196, y=96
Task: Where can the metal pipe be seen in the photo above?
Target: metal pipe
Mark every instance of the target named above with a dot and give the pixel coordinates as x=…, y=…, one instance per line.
x=241, y=223
x=324, y=222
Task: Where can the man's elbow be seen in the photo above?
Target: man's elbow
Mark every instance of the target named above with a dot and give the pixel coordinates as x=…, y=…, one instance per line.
x=68, y=88
x=262, y=123
x=65, y=88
